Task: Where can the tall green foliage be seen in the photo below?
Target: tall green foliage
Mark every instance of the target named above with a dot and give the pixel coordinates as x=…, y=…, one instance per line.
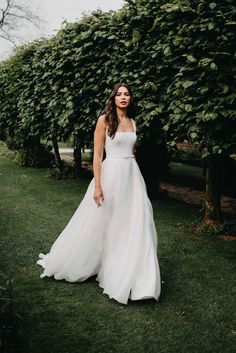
x=201, y=94
x=178, y=56
x=16, y=76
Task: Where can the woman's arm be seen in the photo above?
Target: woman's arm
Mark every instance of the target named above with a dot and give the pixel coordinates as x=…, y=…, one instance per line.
x=99, y=141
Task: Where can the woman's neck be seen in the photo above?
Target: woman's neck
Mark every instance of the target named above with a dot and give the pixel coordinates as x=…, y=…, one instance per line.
x=121, y=114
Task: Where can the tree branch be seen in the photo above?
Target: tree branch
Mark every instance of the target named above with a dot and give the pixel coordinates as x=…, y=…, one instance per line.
x=13, y=16
x=4, y=13
x=9, y=39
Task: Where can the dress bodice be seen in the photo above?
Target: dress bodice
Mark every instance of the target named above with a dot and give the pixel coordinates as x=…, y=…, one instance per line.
x=121, y=146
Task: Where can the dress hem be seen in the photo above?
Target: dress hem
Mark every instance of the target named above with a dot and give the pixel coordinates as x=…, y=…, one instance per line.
x=131, y=297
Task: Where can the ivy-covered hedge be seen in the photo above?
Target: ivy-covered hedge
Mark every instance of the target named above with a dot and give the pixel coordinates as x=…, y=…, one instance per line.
x=178, y=56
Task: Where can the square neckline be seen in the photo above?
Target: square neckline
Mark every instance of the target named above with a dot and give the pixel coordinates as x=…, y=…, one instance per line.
x=129, y=132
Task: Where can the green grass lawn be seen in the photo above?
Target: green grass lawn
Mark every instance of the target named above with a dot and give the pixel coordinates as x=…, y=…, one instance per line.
x=192, y=176
x=196, y=310
x=186, y=175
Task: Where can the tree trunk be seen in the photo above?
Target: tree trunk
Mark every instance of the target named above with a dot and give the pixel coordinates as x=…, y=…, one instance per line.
x=77, y=155
x=204, y=168
x=57, y=156
x=213, y=195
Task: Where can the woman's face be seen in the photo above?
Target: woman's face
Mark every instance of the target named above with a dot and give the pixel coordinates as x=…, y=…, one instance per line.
x=122, y=98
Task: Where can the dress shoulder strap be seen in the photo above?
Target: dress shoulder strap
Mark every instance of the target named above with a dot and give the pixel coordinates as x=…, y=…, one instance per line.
x=134, y=125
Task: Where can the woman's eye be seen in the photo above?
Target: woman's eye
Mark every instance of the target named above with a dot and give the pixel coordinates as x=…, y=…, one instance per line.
x=126, y=94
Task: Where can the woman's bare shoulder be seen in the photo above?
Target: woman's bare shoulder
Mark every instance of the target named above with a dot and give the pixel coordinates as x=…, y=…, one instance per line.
x=101, y=123
x=134, y=122
x=101, y=120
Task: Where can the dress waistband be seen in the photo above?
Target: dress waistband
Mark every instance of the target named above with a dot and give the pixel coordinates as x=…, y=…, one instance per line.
x=120, y=157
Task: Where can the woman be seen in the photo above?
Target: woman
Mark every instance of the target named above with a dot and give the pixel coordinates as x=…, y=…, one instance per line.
x=115, y=236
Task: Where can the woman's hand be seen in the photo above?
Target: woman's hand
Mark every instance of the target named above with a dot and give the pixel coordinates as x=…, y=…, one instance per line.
x=98, y=196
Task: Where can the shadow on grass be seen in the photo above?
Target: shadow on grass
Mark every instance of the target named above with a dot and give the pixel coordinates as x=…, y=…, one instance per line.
x=48, y=325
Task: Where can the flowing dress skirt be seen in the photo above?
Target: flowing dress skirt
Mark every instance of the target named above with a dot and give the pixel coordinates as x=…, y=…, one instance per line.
x=117, y=241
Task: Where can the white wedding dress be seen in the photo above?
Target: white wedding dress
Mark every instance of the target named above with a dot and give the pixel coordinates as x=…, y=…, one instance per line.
x=117, y=241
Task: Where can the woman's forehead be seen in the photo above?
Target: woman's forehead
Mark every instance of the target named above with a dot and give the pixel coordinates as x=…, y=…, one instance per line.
x=122, y=89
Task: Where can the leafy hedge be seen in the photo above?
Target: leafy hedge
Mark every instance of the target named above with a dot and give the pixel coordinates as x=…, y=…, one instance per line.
x=178, y=56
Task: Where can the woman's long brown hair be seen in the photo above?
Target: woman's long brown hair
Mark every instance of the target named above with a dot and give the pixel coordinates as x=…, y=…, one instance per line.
x=111, y=117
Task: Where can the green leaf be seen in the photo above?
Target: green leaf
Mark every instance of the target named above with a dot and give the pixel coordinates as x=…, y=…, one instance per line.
x=166, y=127
x=193, y=135
x=69, y=104
x=191, y=58
x=170, y=7
x=167, y=51
x=67, y=52
x=213, y=66
x=205, y=152
x=224, y=86
x=211, y=26
x=187, y=84
x=136, y=35
x=188, y=107
x=212, y=5
x=150, y=105
x=173, y=143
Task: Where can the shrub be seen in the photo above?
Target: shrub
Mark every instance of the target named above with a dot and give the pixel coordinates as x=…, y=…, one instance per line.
x=32, y=158
x=227, y=227
x=191, y=157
